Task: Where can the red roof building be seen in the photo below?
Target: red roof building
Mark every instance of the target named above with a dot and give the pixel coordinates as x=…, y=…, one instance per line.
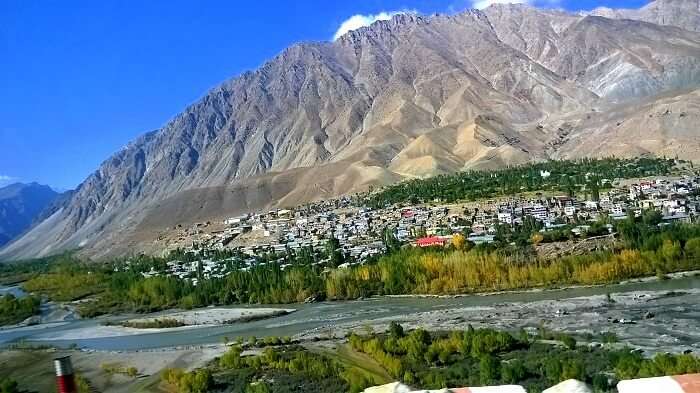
x=430, y=241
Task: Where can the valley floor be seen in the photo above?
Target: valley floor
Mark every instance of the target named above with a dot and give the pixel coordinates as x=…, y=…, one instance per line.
x=654, y=321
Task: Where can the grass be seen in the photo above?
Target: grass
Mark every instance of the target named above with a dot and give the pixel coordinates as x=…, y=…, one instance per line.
x=158, y=323
x=33, y=370
x=349, y=357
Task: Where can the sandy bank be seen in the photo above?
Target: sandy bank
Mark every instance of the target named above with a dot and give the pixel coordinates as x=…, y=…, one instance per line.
x=215, y=316
x=191, y=319
x=34, y=369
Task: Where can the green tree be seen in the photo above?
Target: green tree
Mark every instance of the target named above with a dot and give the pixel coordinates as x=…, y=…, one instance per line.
x=334, y=252
x=391, y=243
x=258, y=387
x=568, y=341
x=8, y=385
x=513, y=371
x=692, y=248
x=489, y=369
x=395, y=330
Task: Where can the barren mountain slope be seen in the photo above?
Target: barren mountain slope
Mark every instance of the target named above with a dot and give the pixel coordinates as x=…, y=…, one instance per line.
x=616, y=59
x=664, y=126
x=680, y=13
x=412, y=96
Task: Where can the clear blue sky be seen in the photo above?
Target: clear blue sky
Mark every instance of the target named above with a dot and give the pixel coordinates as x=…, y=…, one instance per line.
x=80, y=79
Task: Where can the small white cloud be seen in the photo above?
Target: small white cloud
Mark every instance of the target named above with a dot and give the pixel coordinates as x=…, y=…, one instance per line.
x=481, y=4
x=356, y=21
x=5, y=180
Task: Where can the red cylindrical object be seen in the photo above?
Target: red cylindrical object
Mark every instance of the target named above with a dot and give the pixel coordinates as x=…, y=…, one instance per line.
x=65, y=381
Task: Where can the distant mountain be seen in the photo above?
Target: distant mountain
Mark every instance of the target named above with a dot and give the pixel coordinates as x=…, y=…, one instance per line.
x=409, y=97
x=680, y=13
x=20, y=205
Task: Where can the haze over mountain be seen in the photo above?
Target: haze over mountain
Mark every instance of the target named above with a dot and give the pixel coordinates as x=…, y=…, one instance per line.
x=411, y=96
x=20, y=205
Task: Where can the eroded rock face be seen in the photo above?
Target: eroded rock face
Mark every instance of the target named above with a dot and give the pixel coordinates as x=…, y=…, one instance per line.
x=616, y=59
x=680, y=13
x=411, y=96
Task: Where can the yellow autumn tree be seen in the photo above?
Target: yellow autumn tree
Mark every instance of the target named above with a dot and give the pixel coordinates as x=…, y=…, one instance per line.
x=458, y=241
x=536, y=238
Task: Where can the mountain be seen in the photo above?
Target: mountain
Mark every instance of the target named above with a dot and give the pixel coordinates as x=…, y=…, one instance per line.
x=20, y=205
x=411, y=96
x=680, y=13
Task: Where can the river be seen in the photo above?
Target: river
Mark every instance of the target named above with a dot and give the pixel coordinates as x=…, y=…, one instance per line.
x=12, y=290
x=326, y=315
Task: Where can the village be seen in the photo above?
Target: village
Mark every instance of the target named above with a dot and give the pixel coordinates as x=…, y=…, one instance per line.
x=361, y=232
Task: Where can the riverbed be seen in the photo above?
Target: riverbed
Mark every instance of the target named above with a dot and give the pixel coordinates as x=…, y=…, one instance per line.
x=675, y=325
x=14, y=290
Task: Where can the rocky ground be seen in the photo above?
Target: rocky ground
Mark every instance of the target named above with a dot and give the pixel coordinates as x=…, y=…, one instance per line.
x=654, y=321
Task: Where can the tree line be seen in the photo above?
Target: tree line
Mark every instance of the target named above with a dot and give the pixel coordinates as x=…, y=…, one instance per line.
x=567, y=176
x=476, y=357
x=644, y=249
x=15, y=310
x=430, y=360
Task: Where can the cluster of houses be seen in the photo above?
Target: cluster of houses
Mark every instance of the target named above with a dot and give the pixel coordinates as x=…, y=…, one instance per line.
x=361, y=231
x=194, y=270
x=676, y=200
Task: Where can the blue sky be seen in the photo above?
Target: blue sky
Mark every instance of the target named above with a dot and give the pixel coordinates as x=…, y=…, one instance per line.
x=80, y=79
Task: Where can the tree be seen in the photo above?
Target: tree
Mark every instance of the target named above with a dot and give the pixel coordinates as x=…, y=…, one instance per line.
x=569, y=341
x=199, y=381
x=458, y=241
x=573, y=369
x=232, y=358
x=595, y=189
x=513, y=372
x=132, y=372
x=334, y=252
x=390, y=241
x=258, y=387
x=601, y=383
x=489, y=369
x=670, y=251
x=692, y=248
x=8, y=385
x=395, y=330
x=536, y=238
x=409, y=377
x=553, y=370
x=651, y=217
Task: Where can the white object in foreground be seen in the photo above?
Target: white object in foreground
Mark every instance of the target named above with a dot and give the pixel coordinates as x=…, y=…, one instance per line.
x=689, y=383
x=394, y=387
x=397, y=387
x=569, y=386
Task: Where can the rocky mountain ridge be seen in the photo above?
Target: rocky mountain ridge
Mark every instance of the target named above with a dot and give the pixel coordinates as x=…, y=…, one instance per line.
x=680, y=13
x=411, y=96
x=20, y=206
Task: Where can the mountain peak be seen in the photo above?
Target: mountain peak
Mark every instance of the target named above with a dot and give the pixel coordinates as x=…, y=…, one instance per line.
x=20, y=204
x=680, y=13
x=380, y=27
x=406, y=97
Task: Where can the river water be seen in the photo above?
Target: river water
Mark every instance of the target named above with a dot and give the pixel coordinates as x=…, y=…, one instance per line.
x=13, y=290
x=317, y=316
